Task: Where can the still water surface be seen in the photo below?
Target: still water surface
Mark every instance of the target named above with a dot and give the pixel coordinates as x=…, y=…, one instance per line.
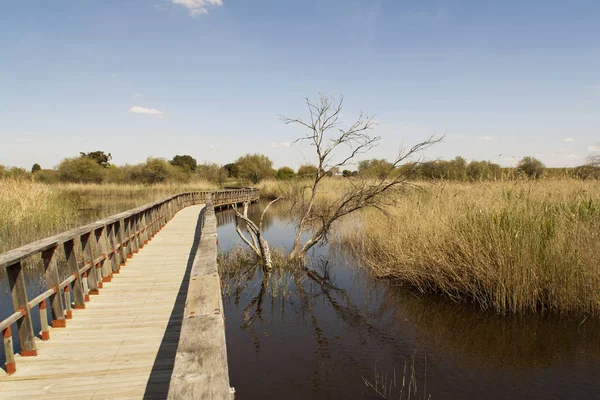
x=324, y=340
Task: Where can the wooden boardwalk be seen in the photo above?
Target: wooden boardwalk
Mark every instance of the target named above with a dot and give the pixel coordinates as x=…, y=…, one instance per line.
x=123, y=345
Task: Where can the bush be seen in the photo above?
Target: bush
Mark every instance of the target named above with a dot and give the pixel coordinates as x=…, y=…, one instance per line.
x=233, y=171
x=158, y=170
x=116, y=174
x=483, y=170
x=531, y=167
x=185, y=162
x=374, y=168
x=212, y=173
x=80, y=169
x=307, y=171
x=255, y=167
x=285, y=173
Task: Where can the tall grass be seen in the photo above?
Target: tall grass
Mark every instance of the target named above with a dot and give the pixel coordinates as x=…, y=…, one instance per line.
x=123, y=191
x=511, y=247
x=32, y=210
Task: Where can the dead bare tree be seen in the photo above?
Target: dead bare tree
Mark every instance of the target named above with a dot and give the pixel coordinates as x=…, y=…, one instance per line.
x=256, y=242
x=336, y=147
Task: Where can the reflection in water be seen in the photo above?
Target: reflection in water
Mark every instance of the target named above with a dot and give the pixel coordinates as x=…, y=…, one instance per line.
x=227, y=216
x=323, y=331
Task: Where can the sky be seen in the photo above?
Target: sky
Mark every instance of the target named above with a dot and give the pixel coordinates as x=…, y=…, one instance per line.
x=211, y=78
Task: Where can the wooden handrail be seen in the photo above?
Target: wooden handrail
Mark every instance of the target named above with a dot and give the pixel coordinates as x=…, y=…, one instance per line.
x=106, y=245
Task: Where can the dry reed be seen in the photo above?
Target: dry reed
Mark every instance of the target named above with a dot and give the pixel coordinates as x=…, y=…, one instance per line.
x=32, y=210
x=512, y=247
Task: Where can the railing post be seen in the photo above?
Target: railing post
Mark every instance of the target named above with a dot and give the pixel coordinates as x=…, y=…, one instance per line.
x=118, y=234
x=150, y=228
x=113, y=255
x=16, y=281
x=155, y=222
x=135, y=245
x=127, y=233
x=144, y=229
x=9, y=351
x=44, y=321
x=161, y=212
x=86, y=290
x=88, y=258
x=78, y=294
x=67, y=293
x=104, y=268
x=52, y=281
x=138, y=232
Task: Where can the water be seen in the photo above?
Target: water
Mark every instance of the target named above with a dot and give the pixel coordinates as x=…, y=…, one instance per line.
x=324, y=341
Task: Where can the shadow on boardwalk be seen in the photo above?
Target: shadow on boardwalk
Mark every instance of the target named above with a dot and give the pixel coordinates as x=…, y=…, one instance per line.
x=160, y=377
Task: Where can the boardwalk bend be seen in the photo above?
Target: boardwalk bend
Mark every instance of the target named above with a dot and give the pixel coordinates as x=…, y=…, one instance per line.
x=132, y=307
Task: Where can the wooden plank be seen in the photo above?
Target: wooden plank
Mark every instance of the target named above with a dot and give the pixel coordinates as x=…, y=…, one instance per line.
x=201, y=370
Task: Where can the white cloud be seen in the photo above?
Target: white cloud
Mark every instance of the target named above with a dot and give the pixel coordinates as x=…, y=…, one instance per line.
x=569, y=139
x=212, y=146
x=573, y=156
x=138, y=95
x=282, y=144
x=594, y=148
x=486, y=138
x=144, y=110
x=197, y=7
x=114, y=75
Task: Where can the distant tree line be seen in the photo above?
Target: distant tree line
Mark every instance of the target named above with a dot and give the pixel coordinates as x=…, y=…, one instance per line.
x=96, y=167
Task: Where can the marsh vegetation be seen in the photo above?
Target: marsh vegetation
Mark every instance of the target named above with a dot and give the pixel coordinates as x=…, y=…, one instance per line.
x=510, y=246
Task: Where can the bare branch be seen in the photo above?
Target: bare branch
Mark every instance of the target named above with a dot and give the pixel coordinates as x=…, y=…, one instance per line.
x=265, y=211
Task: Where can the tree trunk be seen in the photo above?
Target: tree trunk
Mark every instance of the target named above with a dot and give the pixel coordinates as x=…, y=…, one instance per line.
x=256, y=242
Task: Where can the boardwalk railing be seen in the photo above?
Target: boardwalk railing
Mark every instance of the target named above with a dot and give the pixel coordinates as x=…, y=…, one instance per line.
x=105, y=247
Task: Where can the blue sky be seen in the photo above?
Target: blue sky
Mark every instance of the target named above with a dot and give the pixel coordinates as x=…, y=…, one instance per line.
x=209, y=77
